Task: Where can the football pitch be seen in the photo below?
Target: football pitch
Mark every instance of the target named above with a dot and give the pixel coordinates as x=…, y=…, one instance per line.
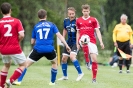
x=38, y=76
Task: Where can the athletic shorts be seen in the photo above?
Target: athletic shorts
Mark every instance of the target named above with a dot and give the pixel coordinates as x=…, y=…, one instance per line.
x=17, y=58
x=92, y=48
x=73, y=50
x=35, y=56
x=124, y=46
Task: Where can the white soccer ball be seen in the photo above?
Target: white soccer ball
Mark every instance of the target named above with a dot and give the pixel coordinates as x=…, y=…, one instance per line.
x=85, y=39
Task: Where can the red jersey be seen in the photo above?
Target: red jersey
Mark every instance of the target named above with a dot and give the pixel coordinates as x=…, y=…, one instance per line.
x=9, y=33
x=87, y=26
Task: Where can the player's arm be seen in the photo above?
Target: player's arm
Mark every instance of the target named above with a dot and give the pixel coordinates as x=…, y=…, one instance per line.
x=63, y=40
x=64, y=32
x=114, y=36
x=77, y=37
x=99, y=37
x=33, y=41
x=21, y=36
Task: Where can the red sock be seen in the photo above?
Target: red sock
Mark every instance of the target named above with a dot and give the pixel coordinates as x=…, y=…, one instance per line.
x=86, y=53
x=94, y=69
x=15, y=75
x=3, y=76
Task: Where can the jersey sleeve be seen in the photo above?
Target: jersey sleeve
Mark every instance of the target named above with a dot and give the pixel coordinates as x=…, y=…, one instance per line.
x=20, y=27
x=96, y=24
x=64, y=24
x=55, y=29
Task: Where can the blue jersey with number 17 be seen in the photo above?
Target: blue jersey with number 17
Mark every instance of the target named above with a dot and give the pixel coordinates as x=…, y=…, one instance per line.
x=43, y=33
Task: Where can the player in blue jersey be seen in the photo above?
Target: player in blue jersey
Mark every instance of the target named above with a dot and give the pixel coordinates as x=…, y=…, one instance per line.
x=70, y=29
x=42, y=39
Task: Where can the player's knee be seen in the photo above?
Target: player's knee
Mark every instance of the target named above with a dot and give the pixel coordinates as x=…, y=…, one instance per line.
x=64, y=60
x=72, y=57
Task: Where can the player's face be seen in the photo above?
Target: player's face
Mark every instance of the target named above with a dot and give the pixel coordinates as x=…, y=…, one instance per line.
x=86, y=12
x=123, y=20
x=71, y=14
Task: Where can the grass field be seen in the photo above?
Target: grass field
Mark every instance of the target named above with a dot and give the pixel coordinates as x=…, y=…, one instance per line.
x=38, y=76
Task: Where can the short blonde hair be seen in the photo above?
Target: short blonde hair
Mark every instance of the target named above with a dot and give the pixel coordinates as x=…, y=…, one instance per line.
x=71, y=8
x=85, y=6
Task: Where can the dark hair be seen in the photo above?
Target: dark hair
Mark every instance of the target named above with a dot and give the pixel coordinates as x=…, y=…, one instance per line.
x=5, y=8
x=86, y=6
x=42, y=13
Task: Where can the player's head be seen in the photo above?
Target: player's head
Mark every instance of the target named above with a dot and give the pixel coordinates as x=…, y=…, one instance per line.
x=42, y=14
x=71, y=12
x=123, y=18
x=85, y=10
x=5, y=8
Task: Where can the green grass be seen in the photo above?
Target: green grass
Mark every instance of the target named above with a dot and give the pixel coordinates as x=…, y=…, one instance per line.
x=38, y=76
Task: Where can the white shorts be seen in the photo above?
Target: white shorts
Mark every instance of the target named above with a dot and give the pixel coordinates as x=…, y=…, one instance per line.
x=17, y=58
x=92, y=48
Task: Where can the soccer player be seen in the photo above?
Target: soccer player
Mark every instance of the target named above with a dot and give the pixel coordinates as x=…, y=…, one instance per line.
x=86, y=26
x=42, y=39
x=11, y=34
x=70, y=29
x=122, y=37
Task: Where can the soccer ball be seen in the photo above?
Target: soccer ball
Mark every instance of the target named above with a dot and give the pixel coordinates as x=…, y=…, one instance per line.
x=85, y=39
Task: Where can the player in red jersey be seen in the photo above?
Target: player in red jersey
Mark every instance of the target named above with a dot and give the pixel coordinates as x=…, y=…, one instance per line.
x=87, y=25
x=11, y=34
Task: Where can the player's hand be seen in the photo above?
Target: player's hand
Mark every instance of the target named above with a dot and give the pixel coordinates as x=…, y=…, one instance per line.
x=102, y=46
x=68, y=48
x=115, y=44
x=131, y=46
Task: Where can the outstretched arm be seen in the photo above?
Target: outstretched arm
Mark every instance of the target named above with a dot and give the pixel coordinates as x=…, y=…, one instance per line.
x=63, y=40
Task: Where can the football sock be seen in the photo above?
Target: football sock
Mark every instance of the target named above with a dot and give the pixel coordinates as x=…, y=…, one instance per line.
x=86, y=53
x=22, y=75
x=120, y=64
x=77, y=66
x=53, y=75
x=15, y=75
x=94, y=69
x=64, y=69
x=127, y=63
x=3, y=76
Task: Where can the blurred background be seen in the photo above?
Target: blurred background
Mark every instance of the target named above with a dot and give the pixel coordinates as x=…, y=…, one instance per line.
x=107, y=12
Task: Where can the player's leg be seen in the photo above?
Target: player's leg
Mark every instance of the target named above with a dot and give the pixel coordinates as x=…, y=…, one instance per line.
x=53, y=58
x=94, y=66
x=127, y=60
x=64, y=64
x=34, y=56
x=86, y=52
x=20, y=79
x=3, y=74
x=93, y=54
x=18, y=59
x=73, y=55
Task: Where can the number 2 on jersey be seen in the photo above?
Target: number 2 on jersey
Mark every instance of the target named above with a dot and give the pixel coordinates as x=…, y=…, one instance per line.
x=40, y=31
x=9, y=27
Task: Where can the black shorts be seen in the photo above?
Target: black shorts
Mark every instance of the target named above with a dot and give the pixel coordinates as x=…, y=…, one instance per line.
x=73, y=50
x=35, y=56
x=124, y=46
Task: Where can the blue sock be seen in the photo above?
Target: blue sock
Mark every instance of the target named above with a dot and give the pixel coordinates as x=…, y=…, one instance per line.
x=77, y=66
x=22, y=75
x=53, y=75
x=64, y=69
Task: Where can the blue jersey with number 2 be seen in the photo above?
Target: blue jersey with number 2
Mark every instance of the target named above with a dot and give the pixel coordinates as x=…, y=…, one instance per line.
x=43, y=32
